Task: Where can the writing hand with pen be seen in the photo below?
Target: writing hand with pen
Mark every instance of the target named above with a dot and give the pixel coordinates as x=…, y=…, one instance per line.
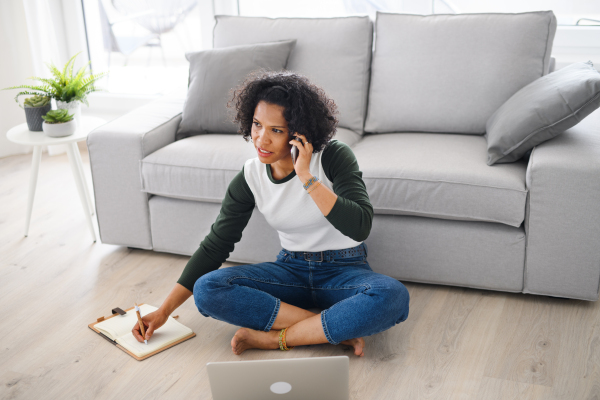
x=149, y=323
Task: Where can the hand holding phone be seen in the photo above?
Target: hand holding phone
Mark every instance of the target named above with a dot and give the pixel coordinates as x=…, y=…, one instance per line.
x=295, y=150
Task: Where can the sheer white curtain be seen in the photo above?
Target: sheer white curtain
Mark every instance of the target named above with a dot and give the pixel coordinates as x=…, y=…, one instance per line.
x=370, y=7
x=47, y=43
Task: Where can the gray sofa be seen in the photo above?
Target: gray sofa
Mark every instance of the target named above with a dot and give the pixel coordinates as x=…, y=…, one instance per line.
x=414, y=94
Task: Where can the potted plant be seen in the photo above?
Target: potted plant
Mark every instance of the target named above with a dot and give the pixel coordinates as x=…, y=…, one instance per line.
x=35, y=108
x=66, y=89
x=59, y=123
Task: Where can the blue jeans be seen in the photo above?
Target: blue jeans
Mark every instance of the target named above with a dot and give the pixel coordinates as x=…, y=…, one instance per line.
x=355, y=300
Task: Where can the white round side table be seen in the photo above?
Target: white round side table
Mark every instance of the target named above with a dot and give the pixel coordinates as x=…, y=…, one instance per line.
x=22, y=135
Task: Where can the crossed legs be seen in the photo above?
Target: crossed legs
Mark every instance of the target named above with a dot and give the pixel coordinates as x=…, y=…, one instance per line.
x=259, y=297
x=304, y=328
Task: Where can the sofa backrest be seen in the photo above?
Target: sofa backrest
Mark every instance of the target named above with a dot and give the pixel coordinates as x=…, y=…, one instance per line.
x=451, y=72
x=334, y=53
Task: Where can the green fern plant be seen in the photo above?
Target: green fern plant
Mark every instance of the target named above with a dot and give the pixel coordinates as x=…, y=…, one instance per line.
x=65, y=86
x=58, y=116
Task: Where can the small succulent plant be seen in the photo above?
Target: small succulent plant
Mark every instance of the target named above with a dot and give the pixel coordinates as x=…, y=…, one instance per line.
x=37, y=101
x=57, y=116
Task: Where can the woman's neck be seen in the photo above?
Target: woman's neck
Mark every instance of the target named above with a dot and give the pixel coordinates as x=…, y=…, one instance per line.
x=282, y=168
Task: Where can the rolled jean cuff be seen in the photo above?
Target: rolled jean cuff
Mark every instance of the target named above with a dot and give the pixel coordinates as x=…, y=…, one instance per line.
x=274, y=315
x=327, y=335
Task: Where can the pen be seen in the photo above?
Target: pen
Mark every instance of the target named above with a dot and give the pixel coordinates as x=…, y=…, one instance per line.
x=137, y=311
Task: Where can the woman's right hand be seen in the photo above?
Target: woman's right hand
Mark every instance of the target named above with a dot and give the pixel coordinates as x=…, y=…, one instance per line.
x=152, y=322
x=156, y=319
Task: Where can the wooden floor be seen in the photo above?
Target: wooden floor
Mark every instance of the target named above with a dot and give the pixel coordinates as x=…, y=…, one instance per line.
x=457, y=343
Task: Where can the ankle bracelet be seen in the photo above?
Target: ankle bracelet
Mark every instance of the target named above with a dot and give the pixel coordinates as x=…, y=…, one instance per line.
x=282, y=344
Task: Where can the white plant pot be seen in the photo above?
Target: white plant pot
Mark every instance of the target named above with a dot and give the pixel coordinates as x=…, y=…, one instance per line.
x=60, y=129
x=74, y=107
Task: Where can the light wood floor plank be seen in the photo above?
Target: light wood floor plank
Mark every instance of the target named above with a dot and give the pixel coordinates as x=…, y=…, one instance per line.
x=458, y=343
x=500, y=389
x=527, y=340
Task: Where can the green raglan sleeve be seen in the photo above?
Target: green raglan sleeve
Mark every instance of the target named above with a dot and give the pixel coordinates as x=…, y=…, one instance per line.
x=352, y=213
x=236, y=210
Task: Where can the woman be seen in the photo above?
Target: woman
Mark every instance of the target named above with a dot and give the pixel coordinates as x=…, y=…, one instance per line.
x=319, y=206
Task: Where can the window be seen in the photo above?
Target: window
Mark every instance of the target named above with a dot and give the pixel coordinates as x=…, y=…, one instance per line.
x=142, y=43
x=568, y=12
x=300, y=8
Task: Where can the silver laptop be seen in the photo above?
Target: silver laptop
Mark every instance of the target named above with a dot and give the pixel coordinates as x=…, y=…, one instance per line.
x=312, y=378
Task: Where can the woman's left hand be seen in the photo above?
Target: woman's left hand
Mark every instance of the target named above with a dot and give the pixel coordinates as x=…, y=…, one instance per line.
x=305, y=149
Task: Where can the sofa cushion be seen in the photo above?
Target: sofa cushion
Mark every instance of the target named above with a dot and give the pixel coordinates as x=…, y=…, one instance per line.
x=202, y=166
x=450, y=73
x=334, y=53
x=440, y=175
x=542, y=110
x=196, y=168
x=214, y=73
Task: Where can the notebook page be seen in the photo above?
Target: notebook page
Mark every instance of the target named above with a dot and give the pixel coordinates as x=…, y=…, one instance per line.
x=169, y=333
x=122, y=324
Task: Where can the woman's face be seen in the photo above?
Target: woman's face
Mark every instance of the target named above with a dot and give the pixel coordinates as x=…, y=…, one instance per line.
x=270, y=133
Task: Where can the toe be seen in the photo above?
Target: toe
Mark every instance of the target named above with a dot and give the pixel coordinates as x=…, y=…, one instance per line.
x=234, y=344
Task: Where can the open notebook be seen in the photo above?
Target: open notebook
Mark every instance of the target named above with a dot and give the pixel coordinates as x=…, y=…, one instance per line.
x=118, y=328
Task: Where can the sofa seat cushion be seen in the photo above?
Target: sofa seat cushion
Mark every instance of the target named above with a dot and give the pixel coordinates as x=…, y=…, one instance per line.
x=440, y=175
x=201, y=167
x=196, y=168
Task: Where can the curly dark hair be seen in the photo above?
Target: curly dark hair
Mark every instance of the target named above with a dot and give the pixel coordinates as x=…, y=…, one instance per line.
x=308, y=110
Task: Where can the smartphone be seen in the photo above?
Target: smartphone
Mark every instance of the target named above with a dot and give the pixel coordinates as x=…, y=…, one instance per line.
x=295, y=150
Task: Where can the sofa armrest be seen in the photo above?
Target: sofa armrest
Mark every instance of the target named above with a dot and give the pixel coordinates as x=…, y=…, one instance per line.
x=115, y=150
x=562, y=219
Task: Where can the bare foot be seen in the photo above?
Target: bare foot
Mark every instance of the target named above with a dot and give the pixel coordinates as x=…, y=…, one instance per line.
x=246, y=338
x=358, y=345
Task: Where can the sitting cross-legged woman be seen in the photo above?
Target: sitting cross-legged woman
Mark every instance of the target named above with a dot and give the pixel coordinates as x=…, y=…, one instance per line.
x=319, y=206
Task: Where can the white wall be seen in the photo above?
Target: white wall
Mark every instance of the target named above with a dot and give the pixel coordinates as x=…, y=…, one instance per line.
x=16, y=67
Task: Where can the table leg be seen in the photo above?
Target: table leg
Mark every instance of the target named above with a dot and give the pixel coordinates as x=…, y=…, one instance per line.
x=82, y=174
x=35, y=167
x=80, y=188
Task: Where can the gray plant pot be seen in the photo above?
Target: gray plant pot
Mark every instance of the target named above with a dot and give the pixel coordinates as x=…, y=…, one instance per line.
x=34, y=116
